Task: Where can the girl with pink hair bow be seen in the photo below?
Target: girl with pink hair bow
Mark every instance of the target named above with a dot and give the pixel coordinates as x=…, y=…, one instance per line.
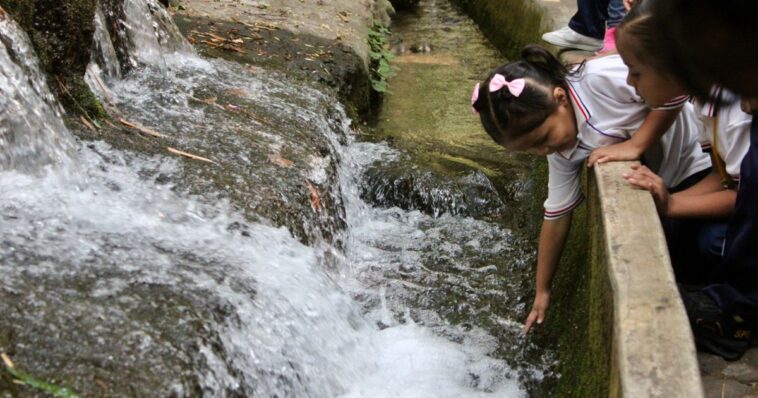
x=538, y=105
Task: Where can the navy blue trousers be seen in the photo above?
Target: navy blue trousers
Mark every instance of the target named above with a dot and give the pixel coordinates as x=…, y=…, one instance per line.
x=592, y=15
x=736, y=290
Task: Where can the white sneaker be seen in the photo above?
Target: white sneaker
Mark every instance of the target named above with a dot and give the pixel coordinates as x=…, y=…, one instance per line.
x=565, y=37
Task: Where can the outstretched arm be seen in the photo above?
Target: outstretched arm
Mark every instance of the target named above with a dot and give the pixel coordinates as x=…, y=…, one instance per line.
x=553, y=236
x=706, y=199
x=656, y=123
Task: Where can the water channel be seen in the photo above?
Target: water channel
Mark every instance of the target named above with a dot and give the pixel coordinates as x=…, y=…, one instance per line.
x=127, y=268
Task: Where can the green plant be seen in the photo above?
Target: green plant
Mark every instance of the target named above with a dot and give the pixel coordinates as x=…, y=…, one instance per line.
x=21, y=377
x=381, y=70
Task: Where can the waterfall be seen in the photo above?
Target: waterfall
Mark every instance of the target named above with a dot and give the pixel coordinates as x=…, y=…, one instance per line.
x=32, y=133
x=167, y=291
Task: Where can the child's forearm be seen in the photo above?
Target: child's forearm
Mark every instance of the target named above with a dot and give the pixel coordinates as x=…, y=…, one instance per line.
x=719, y=204
x=553, y=236
x=711, y=183
x=656, y=123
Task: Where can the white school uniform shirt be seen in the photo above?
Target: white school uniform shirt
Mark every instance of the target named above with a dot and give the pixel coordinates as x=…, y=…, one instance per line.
x=608, y=111
x=733, y=135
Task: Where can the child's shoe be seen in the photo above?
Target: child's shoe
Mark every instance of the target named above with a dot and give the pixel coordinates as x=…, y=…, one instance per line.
x=566, y=37
x=726, y=335
x=609, y=41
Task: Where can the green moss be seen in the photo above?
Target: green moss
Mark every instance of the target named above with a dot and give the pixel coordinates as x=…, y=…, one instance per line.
x=77, y=96
x=509, y=24
x=580, y=320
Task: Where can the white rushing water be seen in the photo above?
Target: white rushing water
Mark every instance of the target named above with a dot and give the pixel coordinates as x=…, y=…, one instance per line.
x=29, y=115
x=292, y=326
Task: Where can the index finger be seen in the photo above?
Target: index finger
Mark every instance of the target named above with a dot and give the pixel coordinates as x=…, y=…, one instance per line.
x=529, y=322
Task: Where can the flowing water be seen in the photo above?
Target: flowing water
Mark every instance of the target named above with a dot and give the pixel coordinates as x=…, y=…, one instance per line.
x=142, y=274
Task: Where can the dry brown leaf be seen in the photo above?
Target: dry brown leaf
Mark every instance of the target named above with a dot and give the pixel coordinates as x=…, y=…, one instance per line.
x=7, y=360
x=215, y=37
x=87, y=123
x=102, y=385
x=141, y=129
x=280, y=161
x=209, y=100
x=315, y=198
x=189, y=155
x=237, y=92
x=109, y=123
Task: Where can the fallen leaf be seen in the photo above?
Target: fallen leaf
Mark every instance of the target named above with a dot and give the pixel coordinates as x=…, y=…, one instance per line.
x=315, y=199
x=280, y=161
x=141, y=129
x=7, y=360
x=87, y=123
x=189, y=155
x=101, y=384
x=237, y=92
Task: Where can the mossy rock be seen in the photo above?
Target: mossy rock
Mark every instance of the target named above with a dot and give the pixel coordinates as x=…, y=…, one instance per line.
x=61, y=32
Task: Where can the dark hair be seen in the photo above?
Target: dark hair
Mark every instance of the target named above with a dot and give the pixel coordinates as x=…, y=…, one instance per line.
x=638, y=30
x=506, y=117
x=710, y=42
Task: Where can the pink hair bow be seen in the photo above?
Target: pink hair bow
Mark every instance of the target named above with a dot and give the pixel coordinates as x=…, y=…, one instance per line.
x=474, y=97
x=516, y=86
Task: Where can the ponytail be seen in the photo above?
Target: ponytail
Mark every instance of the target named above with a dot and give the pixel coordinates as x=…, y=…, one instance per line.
x=506, y=116
x=549, y=66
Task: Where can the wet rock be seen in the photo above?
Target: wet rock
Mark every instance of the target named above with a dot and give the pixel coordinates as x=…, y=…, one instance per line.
x=316, y=40
x=711, y=364
x=421, y=48
x=62, y=37
x=741, y=372
x=433, y=192
x=751, y=357
x=719, y=388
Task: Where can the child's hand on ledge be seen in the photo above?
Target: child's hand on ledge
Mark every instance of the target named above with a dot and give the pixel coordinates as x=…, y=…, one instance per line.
x=539, y=307
x=626, y=150
x=644, y=178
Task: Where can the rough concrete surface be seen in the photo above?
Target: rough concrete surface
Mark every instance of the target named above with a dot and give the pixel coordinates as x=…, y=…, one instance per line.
x=655, y=351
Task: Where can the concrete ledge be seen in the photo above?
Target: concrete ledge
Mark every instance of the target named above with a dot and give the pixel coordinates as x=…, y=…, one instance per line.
x=653, y=348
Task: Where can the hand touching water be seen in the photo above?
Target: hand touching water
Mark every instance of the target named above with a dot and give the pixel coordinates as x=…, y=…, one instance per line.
x=539, y=307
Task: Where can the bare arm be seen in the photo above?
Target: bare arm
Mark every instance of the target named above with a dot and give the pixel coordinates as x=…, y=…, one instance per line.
x=706, y=199
x=652, y=129
x=553, y=236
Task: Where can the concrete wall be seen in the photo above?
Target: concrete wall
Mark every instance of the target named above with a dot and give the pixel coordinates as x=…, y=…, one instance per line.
x=653, y=349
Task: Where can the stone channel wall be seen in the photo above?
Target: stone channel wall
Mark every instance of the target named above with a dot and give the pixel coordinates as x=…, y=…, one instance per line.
x=616, y=318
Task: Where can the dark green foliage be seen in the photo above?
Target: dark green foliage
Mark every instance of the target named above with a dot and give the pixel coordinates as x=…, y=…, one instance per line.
x=380, y=57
